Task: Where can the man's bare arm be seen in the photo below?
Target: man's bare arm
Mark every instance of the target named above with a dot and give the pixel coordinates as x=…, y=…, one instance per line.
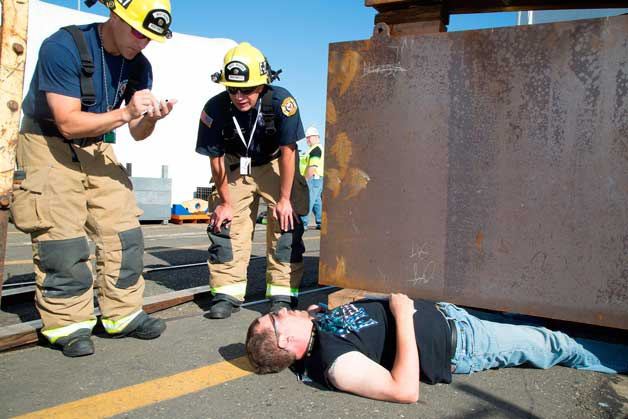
x=353, y=372
x=74, y=123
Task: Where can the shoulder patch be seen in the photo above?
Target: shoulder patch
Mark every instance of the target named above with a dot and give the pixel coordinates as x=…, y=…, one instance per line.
x=289, y=106
x=206, y=119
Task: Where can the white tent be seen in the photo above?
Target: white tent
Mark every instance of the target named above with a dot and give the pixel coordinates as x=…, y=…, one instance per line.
x=181, y=70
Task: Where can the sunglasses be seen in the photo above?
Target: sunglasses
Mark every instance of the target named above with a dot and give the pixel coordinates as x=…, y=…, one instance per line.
x=138, y=35
x=243, y=90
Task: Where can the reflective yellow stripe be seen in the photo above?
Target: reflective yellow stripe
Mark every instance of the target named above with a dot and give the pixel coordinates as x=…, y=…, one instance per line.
x=302, y=164
x=117, y=326
x=319, y=162
x=54, y=334
x=275, y=290
x=233, y=290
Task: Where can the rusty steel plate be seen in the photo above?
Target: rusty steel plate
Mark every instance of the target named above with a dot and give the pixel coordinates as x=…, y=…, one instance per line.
x=486, y=168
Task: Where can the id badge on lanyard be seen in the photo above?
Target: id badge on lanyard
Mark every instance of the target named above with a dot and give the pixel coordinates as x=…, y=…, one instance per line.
x=245, y=166
x=245, y=162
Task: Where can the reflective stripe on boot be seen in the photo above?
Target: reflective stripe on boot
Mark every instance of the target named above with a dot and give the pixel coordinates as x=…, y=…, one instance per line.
x=117, y=326
x=59, y=332
x=235, y=291
x=278, y=290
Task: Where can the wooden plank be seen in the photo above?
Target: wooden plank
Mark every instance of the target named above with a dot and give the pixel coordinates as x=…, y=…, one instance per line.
x=348, y=295
x=195, y=218
x=18, y=335
x=12, y=61
x=172, y=299
x=417, y=28
x=419, y=20
x=26, y=333
x=412, y=14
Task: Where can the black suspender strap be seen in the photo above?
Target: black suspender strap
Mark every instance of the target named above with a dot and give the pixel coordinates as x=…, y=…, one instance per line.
x=268, y=114
x=88, y=95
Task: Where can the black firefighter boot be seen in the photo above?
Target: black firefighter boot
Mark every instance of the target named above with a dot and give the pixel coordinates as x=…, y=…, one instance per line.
x=76, y=344
x=223, y=306
x=278, y=302
x=144, y=327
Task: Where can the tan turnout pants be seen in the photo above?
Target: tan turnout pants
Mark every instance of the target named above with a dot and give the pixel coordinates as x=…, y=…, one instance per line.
x=70, y=192
x=230, y=251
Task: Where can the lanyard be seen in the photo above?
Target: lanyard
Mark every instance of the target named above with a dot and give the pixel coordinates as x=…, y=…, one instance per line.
x=237, y=125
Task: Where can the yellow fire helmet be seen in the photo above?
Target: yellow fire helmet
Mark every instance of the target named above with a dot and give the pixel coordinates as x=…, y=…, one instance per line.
x=151, y=18
x=245, y=66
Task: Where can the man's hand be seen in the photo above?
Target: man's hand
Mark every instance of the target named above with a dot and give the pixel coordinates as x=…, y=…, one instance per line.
x=142, y=103
x=285, y=214
x=401, y=306
x=165, y=107
x=313, y=309
x=221, y=215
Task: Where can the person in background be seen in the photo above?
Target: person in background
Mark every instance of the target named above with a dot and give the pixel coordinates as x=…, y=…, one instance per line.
x=249, y=132
x=74, y=185
x=313, y=172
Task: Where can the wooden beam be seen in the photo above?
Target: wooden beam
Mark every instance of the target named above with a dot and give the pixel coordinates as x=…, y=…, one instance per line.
x=12, y=60
x=22, y=334
x=413, y=20
x=484, y=6
x=347, y=295
x=413, y=14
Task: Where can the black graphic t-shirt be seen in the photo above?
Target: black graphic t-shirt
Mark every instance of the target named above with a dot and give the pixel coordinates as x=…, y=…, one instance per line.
x=368, y=326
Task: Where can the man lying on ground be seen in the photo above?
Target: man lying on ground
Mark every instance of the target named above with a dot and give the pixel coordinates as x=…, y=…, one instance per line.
x=380, y=348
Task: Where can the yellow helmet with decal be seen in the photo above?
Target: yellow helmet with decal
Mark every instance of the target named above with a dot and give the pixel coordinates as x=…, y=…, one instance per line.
x=151, y=18
x=245, y=66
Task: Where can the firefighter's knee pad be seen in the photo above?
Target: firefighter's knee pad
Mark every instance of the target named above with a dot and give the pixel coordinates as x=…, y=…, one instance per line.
x=132, y=257
x=64, y=263
x=290, y=247
x=221, y=250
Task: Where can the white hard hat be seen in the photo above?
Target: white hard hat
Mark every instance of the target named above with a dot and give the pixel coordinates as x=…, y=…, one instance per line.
x=311, y=131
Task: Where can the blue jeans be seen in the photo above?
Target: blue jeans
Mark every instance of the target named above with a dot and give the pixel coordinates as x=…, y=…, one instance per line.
x=316, y=188
x=483, y=345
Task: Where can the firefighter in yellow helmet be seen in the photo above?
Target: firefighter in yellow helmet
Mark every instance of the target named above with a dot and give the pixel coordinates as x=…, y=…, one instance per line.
x=74, y=185
x=250, y=133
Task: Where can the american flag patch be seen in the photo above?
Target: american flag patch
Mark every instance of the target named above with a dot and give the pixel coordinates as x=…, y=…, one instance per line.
x=206, y=119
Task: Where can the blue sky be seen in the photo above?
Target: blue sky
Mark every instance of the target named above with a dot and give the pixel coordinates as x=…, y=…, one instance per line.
x=293, y=34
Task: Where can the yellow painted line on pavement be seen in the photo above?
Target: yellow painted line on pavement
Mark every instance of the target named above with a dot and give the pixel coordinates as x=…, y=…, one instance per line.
x=123, y=400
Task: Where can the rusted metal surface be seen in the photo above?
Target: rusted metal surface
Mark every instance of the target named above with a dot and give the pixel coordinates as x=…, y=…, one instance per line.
x=485, y=168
